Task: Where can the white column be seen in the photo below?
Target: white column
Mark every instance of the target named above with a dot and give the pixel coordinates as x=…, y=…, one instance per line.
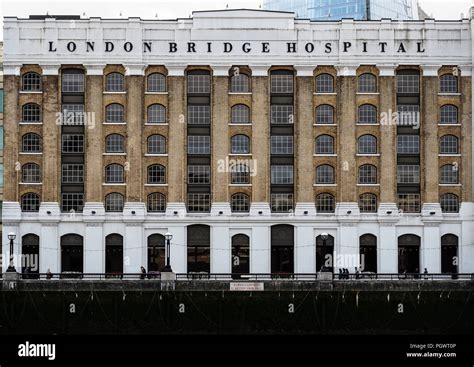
x=387, y=249
x=305, y=249
x=220, y=249
x=50, y=248
x=347, y=253
x=94, y=248
x=134, y=250
x=178, y=249
x=466, y=242
x=431, y=249
x=260, y=250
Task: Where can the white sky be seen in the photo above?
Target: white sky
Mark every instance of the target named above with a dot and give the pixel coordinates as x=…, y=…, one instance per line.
x=171, y=9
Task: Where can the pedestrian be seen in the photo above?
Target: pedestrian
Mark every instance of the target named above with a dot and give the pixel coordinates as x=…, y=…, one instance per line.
x=143, y=272
x=49, y=275
x=356, y=272
x=340, y=273
x=426, y=273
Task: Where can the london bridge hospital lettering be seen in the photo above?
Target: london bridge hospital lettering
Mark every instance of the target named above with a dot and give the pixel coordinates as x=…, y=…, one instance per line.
x=234, y=47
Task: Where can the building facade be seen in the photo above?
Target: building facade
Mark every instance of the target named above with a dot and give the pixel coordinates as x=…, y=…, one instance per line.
x=338, y=9
x=1, y=135
x=261, y=142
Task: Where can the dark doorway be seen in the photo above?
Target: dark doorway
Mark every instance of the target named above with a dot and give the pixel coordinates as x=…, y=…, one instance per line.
x=199, y=248
x=325, y=257
x=368, y=252
x=114, y=254
x=72, y=258
x=156, y=252
x=282, y=246
x=30, y=256
x=240, y=254
x=409, y=253
x=449, y=253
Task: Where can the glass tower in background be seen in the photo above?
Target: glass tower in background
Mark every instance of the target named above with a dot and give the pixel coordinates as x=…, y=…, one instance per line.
x=338, y=9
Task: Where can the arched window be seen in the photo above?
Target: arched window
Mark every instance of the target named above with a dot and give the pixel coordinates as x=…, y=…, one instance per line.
x=31, y=112
x=449, y=203
x=31, y=82
x=448, y=114
x=367, y=114
x=448, y=174
x=325, y=253
x=325, y=203
x=282, y=248
x=368, y=203
x=240, y=114
x=449, y=253
x=325, y=174
x=409, y=253
x=114, y=202
x=324, y=83
x=156, y=114
x=240, y=203
x=115, y=143
x=30, y=202
x=449, y=144
x=368, y=252
x=72, y=250
x=30, y=253
x=114, y=254
x=156, y=252
x=114, y=113
x=324, y=144
x=31, y=173
x=31, y=143
x=240, y=83
x=156, y=144
x=156, y=203
x=156, y=82
x=199, y=248
x=114, y=173
x=114, y=82
x=240, y=174
x=325, y=114
x=240, y=254
x=156, y=174
x=367, y=83
x=367, y=174
x=367, y=144
x=448, y=83
x=240, y=144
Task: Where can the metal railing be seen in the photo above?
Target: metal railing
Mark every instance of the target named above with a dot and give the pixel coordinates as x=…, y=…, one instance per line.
x=245, y=277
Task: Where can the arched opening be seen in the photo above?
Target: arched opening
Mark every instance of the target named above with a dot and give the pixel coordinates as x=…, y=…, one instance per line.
x=30, y=256
x=409, y=253
x=325, y=253
x=368, y=252
x=114, y=254
x=282, y=249
x=156, y=252
x=199, y=248
x=72, y=249
x=449, y=253
x=240, y=254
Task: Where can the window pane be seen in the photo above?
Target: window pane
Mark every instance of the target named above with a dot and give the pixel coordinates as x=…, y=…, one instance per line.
x=198, y=144
x=199, y=115
x=408, y=84
x=281, y=144
x=199, y=174
x=324, y=83
x=281, y=203
x=199, y=84
x=408, y=144
x=156, y=83
x=282, y=114
x=114, y=82
x=282, y=83
x=324, y=144
x=240, y=84
x=408, y=174
x=73, y=83
x=281, y=174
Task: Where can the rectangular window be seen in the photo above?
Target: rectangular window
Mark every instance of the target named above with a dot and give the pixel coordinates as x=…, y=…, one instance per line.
x=408, y=174
x=408, y=84
x=72, y=201
x=282, y=114
x=408, y=144
x=1, y=177
x=409, y=203
x=1, y=100
x=199, y=115
x=199, y=84
x=282, y=175
x=72, y=143
x=199, y=174
x=73, y=114
x=281, y=144
x=198, y=144
x=408, y=115
x=73, y=83
x=282, y=83
x=72, y=173
x=199, y=203
x=281, y=203
x=1, y=137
